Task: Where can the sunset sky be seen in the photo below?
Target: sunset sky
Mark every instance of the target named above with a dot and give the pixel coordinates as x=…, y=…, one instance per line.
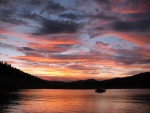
x=76, y=39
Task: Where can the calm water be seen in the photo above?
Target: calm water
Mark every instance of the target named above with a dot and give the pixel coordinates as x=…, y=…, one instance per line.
x=76, y=101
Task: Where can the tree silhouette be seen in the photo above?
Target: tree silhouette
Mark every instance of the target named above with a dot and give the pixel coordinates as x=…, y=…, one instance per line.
x=11, y=77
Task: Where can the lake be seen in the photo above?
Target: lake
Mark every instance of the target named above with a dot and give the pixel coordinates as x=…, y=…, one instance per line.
x=75, y=101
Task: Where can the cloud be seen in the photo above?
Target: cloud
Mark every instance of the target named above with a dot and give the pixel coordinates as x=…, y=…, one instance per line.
x=31, y=16
x=53, y=48
x=105, y=17
x=136, y=56
x=82, y=67
x=4, y=2
x=4, y=45
x=35, y=2
x=145, y=61
x=128, y=6
x=60, y=58
x=2, y=37
x=100, y=45
x=54, y=43
x=55, y=26
x=138, y=38
x=35, y=10
x=70, y=16
x=54, y=36
x=129, y=26
x=105, y=4
x=27, y=49
x=102, y=16
x=9, y=16
x=53, y=7
x=139, y=16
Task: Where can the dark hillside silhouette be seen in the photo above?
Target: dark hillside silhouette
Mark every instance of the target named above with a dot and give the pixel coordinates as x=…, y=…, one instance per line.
x=13, y=78
x=141, y=80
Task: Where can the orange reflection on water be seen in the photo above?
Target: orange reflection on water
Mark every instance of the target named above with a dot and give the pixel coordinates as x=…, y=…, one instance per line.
x=55, y=100
x=81, y=101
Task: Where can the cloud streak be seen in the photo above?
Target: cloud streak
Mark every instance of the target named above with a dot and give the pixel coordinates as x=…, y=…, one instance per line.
x=54, y=27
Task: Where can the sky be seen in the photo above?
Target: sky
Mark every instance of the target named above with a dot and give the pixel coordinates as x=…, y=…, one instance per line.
x=71, y=40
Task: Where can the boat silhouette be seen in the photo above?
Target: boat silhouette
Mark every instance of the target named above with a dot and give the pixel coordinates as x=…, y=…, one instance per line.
x=100, y=90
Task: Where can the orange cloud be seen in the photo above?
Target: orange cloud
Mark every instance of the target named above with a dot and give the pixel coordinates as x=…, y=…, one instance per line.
x=138, y=39
x=124, y=6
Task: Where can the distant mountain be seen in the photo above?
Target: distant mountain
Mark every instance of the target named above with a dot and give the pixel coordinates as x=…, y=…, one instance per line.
x=13, y=78
x=141, y=80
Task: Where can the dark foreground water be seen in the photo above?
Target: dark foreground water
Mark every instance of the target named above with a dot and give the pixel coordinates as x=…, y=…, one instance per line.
x=76, y=101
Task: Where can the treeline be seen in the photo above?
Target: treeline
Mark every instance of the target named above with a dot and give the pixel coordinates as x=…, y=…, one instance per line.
x=13, y=78
x=7, y=70
x=141, y=80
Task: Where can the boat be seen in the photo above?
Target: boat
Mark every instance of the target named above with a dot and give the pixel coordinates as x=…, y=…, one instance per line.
x=100, y=90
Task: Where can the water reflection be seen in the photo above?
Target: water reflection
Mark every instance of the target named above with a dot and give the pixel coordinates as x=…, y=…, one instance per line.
x=7, y=100
x=85, y=101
